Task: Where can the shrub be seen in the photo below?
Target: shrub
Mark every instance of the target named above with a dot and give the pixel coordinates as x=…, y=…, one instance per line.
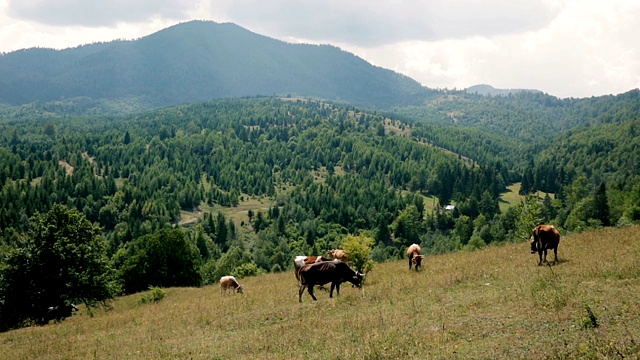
x=156, y=295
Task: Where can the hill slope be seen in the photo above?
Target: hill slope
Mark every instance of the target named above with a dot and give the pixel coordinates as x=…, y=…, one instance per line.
x=200, y=61
x=493, y=303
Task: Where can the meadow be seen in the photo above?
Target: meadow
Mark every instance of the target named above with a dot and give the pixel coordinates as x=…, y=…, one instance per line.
x=494, y=303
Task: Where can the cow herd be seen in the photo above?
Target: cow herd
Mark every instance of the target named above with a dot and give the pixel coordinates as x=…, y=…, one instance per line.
x=319, y=270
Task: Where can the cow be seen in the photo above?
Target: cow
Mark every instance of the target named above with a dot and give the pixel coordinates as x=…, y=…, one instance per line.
x=300, y=261
x=58, y=313
x=338, y=254
x=545, y=237
x=415, y=256
x=320, y=273
x=230, y=283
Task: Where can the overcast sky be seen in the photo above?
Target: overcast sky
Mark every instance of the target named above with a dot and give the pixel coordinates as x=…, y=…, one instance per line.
x=567, y=48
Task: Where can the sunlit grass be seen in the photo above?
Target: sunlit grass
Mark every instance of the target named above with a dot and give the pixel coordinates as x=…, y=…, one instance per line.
x=491, y=303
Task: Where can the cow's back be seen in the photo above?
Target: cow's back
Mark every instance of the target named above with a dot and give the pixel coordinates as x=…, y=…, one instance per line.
x=318, y=273
x=548, y=235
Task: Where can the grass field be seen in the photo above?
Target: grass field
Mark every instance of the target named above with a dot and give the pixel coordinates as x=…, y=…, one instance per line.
x=494, y=303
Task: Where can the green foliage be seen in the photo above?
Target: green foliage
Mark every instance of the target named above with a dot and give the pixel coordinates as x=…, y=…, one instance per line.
x=359, y=250
x=246, y=269
x=156, y=295
x=407, y=227
x=165, y=258
x=528, y=217
x=61, y=259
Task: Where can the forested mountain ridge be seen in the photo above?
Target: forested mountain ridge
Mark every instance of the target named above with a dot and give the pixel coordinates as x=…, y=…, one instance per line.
x=194, y=61
x=517, y=127
x=325, y=172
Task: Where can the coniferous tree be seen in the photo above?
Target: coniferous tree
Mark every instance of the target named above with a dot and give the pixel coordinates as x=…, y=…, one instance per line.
x=602, y=205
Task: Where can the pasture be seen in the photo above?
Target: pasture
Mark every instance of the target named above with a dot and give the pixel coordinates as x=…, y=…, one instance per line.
x=487, y=304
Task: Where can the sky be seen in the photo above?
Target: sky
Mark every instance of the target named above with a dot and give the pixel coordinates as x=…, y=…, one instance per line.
x=566, y=48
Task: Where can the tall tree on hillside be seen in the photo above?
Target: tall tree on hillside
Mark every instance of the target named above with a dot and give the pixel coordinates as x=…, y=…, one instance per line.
x=164, y=258
x=602, y=205
x=407, y=227
x=62, y=259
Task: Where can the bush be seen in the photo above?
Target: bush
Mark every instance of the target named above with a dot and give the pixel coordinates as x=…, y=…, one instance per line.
x=358, y=250
x=246, y=269
x=166, y=258
x=156, y=295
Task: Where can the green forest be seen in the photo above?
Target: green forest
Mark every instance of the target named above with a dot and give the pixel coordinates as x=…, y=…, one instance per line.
x=180, y=196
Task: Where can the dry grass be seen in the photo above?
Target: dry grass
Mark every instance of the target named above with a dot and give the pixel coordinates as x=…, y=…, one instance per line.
x=488, y=304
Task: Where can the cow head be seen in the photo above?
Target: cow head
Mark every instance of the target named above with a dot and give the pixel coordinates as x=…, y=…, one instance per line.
x=240, y=289
x=357, y=279
x=74, y=308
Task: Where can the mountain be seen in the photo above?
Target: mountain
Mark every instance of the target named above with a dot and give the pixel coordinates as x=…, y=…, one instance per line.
x=200, y=60
x=484, y=89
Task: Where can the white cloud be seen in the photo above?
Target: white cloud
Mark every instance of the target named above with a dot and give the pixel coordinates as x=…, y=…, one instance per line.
x=97, y=13
x=568, y=48
x=588, y=49
x=380, y=22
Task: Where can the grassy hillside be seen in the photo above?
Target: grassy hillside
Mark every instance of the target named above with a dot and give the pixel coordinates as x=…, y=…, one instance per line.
x=494, y=303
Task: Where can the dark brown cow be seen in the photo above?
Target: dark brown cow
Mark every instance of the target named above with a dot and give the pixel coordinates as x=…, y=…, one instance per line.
x=545, y=237
x=415, y=256
x=58, y=313
x=334, y=272
x=300, y=261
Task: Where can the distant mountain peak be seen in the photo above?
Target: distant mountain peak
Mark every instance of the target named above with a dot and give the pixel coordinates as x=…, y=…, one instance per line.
x=202, y=60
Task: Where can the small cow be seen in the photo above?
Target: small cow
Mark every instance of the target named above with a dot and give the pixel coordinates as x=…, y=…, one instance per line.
x=415, y=256
x=300, y=261
x=545, y=237
x=58, y=313
x=338, y=254
x=320, y=273
x=230, y=283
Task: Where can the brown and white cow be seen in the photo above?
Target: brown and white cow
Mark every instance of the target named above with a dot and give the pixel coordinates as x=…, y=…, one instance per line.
x=415, y=256
x=302, y=260
x=545, y=237
x=230, y=283
x=338, y=254
x=320, y=273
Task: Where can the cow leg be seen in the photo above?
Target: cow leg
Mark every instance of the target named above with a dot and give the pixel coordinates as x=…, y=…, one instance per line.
x=300, y=291
x=545, y=256
x=409, y=263
x=310, y=288
x=555, y=255
x=338, y=288
x=333, y=286
x=540, y=256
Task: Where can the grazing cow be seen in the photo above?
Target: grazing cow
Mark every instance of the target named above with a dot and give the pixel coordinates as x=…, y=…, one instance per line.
x=415, y=256
x=300, y=261
x=230, y=283
x=58, y=313
x=545, y=237
x=338, y=254
x=320, y=273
